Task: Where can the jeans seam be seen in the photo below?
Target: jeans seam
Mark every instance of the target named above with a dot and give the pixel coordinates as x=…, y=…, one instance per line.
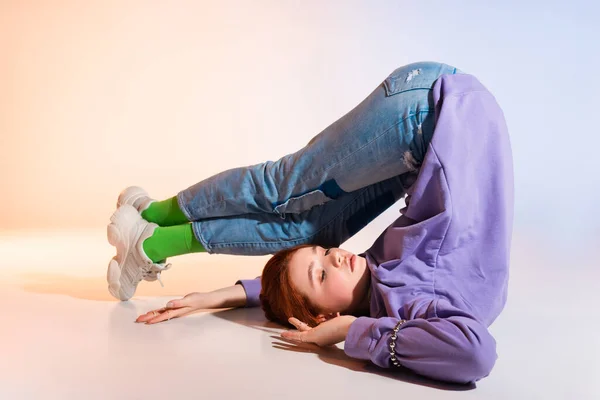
x=302, y=238
x=366, y=144
x=181, y=205
x=337, y=163
x=196, y=227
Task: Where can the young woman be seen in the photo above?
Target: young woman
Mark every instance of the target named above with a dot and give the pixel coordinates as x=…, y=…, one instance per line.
x=422, y=296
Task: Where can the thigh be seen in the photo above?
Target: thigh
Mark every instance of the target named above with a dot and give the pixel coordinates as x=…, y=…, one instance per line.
x=386, y=135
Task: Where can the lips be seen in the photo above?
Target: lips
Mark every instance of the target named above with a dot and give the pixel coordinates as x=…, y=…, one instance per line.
x=352, y=262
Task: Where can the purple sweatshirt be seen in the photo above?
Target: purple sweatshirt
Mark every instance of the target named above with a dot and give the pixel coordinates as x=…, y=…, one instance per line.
x=443, y=264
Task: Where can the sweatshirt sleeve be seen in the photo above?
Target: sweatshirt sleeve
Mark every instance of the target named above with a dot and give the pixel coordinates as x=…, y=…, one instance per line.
x=452, y=346
x=252, y=288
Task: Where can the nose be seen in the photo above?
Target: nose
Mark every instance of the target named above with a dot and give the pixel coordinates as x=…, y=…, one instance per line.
x=342, y=259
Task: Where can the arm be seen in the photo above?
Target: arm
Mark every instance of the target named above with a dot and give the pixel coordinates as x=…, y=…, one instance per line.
x=452, y=346
x=252, y=289
x=227, y=297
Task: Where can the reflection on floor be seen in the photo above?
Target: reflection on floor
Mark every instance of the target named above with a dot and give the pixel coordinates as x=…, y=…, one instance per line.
x=65, y=337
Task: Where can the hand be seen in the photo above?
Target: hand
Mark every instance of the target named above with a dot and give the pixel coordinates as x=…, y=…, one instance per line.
x=327, y=333
x=177, y=308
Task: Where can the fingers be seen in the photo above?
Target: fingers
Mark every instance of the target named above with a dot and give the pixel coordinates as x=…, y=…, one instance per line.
x=174, y=308
x=294, y=335
x=150, y=315
x=301, y=326
x=164, y=315
x=176, y=303
x=301, y=334
x=189, y=300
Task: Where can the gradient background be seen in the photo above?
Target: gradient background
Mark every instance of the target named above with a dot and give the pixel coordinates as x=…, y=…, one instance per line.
x=99, y=95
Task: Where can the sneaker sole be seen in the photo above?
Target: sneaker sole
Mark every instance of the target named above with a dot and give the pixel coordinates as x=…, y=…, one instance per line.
x=134, y=193
x=112, y=276
x=115, y=238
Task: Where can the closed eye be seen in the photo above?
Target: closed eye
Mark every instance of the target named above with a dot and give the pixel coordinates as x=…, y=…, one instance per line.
x=323, y=273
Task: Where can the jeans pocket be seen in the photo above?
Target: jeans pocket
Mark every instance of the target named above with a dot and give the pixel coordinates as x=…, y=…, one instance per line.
x=304, y=202
x=404, y=79
x=419, y=75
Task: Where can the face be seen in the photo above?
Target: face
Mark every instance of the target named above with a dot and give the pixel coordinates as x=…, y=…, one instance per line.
x=326, y=277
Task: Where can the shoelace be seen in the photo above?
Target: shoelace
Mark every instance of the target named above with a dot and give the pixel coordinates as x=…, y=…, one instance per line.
x=151, y=270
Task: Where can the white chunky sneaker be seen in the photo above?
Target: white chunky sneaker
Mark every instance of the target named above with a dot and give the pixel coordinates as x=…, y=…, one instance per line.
x=127, y=232
x=135, y=196
x=138, y=198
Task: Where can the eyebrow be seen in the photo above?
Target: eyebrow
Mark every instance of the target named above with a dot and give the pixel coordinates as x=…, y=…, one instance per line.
x=310, y=268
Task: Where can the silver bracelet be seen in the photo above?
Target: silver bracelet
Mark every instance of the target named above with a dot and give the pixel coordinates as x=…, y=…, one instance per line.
x=393, y=343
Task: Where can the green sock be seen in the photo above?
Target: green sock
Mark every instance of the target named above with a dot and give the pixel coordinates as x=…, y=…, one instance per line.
x=165, y=213
x=171, y=241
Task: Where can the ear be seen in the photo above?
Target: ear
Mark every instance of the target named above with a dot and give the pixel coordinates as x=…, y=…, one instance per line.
x=324, y=317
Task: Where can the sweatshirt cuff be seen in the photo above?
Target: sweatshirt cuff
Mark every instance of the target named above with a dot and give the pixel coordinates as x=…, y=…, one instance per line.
x=358, y=339
x=252, y=288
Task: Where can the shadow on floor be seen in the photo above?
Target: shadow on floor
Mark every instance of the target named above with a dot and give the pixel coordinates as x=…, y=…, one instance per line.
x=95, y=288
x=87, y=288
x=254, y=318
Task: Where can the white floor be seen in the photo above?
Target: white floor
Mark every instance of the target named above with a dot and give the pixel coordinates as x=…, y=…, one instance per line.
x=64, y=337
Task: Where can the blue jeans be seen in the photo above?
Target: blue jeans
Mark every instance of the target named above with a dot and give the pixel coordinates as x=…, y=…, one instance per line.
x=330, y=189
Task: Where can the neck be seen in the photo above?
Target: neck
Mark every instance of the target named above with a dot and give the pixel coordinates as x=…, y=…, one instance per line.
x=367, y=303
x=364, y=307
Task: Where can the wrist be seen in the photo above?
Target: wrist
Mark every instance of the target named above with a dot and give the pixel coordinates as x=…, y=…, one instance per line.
x=349, y=320
x=232, y=296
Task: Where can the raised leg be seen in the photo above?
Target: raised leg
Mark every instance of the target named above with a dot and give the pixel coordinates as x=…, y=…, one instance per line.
x=262, y=208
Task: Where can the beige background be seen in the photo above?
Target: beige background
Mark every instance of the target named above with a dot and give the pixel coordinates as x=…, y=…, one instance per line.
x=96, y=96
x=100, y=97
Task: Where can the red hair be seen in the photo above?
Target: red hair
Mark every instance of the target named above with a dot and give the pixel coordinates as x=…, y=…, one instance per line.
x=278, y=297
